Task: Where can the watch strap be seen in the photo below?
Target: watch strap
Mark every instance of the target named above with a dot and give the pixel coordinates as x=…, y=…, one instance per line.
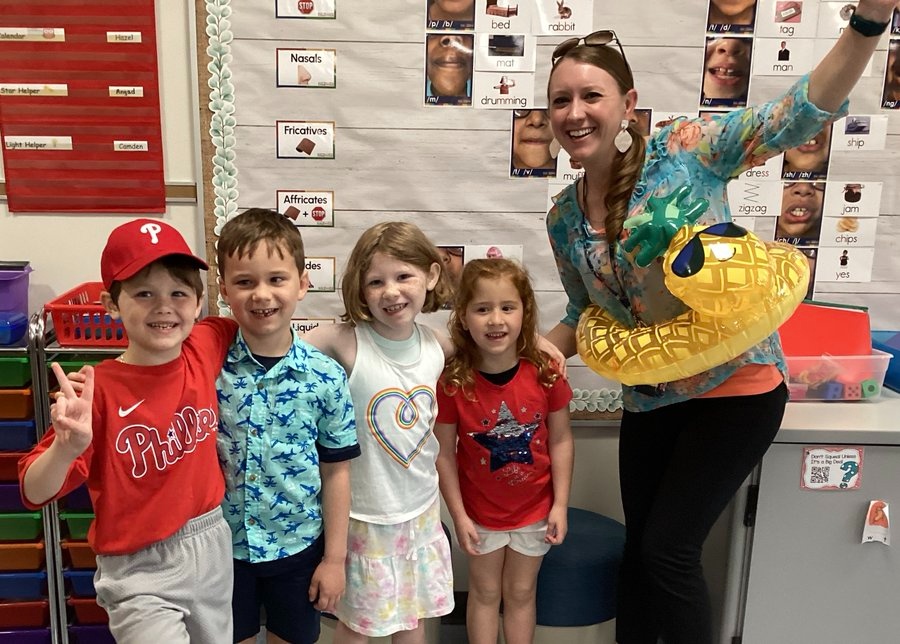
x=867, y=27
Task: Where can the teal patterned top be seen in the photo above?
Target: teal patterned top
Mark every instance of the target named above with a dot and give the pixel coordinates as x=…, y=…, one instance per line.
x=705, y=154
x=275, y=426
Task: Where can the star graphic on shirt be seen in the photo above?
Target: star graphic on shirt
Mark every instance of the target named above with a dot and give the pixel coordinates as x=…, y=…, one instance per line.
x=509, y=441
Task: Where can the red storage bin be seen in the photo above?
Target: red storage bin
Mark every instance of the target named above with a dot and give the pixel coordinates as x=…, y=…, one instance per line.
x=87, y=611
x=24, y=614
x=81, y=321
x=9, y=466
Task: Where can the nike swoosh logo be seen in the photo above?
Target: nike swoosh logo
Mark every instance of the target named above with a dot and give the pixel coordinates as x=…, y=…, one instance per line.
x=125, y=412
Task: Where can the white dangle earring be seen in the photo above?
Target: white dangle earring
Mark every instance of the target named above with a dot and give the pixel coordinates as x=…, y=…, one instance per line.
x=623, y=138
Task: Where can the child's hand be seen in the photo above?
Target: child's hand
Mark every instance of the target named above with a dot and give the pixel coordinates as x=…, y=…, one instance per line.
x=71, y=413
x=467, y=536
x=556, y=356
x=557, y=525
x=327, y=585
x=77, y=379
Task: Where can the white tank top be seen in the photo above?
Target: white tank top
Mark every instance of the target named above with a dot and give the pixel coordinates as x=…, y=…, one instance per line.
x=395, y=479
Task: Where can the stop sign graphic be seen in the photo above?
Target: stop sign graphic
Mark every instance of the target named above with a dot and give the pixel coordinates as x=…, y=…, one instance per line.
x=305, y=6
x=318, y=213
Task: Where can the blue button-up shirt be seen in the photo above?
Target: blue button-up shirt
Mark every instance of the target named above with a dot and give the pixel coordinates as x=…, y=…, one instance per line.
x=274, y=427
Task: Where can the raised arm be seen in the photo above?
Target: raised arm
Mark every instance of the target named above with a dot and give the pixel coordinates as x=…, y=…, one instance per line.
x=833, y=78
x=71, y=415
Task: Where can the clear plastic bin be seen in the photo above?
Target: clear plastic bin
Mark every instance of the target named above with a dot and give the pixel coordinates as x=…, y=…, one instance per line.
x=837, y=378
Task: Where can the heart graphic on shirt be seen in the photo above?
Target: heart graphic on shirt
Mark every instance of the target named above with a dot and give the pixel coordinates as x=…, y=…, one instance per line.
x=393, y=416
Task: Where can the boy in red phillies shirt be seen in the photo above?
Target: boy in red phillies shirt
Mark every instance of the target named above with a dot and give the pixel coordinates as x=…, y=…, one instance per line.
x=143, y=436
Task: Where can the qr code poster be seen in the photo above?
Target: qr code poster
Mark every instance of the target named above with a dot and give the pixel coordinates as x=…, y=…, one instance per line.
x=832, y=468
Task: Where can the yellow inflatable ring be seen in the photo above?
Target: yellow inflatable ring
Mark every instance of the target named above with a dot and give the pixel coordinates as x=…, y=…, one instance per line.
x=739, y=290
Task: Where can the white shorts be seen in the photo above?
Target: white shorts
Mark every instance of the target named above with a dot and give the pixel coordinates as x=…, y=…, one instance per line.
x=527, y=540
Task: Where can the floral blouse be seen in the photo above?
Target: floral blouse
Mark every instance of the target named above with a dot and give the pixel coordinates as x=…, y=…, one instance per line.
x=705, y=154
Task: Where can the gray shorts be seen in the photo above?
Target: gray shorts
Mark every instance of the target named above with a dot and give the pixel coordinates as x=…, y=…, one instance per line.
x=176, y=591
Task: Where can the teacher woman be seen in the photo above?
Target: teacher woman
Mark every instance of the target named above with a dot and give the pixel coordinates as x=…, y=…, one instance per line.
x=685, y=446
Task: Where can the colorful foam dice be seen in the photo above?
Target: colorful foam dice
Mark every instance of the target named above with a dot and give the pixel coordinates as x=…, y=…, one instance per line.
x=853, y=392
x=870, y=388
x=833, y=390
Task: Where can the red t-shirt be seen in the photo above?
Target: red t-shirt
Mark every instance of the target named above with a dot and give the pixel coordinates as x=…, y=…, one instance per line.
x=152, y=463
x=503, y=456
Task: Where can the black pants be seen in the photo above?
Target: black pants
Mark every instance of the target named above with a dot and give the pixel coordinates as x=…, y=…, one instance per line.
x=679, y=466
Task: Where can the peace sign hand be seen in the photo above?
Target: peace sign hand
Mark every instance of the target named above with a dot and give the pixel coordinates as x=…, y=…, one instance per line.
x=71, y=414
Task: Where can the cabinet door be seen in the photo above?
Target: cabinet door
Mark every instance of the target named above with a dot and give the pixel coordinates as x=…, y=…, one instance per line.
x=811, y=580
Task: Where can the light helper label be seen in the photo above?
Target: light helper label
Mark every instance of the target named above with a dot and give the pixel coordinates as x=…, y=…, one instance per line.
x=38, y=142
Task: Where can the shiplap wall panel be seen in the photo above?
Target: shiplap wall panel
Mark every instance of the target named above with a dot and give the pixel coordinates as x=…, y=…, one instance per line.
x=446, y=168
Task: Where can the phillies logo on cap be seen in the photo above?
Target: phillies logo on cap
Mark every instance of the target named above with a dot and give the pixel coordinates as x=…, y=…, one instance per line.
x=318, y=213
x=153, y=230
x=305, y=6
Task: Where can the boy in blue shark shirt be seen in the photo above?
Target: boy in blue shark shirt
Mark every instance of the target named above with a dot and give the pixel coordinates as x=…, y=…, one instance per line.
x=286, y=435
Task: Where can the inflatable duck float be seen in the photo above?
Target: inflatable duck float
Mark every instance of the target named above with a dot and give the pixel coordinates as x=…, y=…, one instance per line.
x=739, y=290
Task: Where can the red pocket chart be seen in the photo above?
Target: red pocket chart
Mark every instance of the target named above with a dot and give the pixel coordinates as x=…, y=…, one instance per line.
x=79, y=106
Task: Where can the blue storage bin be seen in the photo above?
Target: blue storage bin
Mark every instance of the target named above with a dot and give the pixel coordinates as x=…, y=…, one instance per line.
x=880, y=340
x=23, y=585
x=17, y=435
x=82, y=582
x=26, y=636
x=79, y=499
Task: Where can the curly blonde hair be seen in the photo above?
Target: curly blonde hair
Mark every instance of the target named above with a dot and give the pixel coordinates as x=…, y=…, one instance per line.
x=459, y=374
x=403, y=241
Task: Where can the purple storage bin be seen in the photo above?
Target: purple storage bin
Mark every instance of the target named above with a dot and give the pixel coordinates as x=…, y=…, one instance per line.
x=79, y=499
x=90, y=634
x=13, y=301
x=82, y=582
x=10, y=499
x=17, y=435
x=24, y=585
x=26, y=636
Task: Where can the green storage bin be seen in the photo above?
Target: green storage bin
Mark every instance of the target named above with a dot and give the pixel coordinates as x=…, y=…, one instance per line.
x=74, y=362
x=15, y=371
x=77, y=523
x=20, y=526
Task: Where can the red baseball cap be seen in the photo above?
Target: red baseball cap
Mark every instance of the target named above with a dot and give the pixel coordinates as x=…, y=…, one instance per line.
x=133, y=246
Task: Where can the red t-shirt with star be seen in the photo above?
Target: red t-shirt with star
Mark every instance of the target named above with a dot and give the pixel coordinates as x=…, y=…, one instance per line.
x=502, y=455
x=152, y=463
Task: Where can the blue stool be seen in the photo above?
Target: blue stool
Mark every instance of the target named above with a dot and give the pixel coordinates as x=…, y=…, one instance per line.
x=577, y=582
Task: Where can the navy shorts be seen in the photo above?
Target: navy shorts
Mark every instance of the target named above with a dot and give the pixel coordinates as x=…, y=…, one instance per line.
x=282, y=587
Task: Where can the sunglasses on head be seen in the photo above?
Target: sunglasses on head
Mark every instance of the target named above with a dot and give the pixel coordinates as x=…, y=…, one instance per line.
x=597, y=39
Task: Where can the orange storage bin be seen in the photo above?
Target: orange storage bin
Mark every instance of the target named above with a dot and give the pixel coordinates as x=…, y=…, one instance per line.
x=16, y=403
x=24, y=614
x=87, y=611
x=81, y=321
x=22, y=556
x=79, y=554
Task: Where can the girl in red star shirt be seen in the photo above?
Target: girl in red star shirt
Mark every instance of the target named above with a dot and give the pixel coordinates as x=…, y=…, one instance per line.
x=505, y=462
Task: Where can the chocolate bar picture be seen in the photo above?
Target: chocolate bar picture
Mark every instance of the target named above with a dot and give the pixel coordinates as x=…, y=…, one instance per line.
x=306, y=146
x=292, y=212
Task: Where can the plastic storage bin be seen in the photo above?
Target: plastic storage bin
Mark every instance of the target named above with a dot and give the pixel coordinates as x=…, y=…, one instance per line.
x=837, y=378
x=10, y=498
x=9, y=466
x=889, y=342
x=79, y=554
x=15, y=371
x=26, y=636
x=17, y=435
x=29, y=614
x=81, y=321
x=20, y=526
x=78, y=499
x=23, y=585
x=87, y=611
x=16, y=403
x=77, y=523
x=95, y=634
x=21, y=556
x=82, y=582
x=13, y=301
